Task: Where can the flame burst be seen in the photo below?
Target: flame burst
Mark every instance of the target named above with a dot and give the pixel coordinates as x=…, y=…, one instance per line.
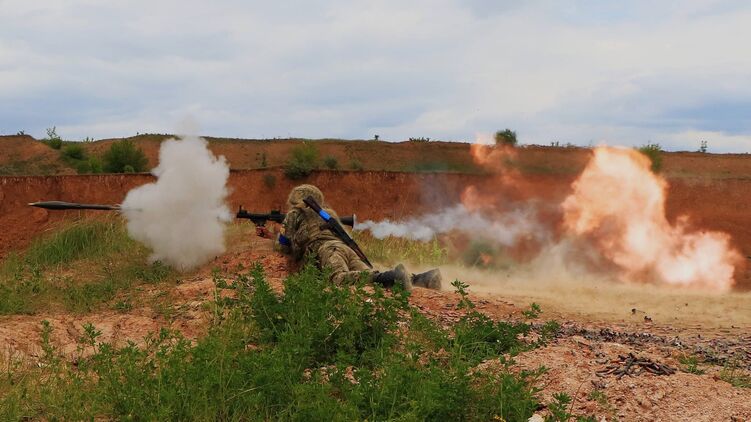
x=619, y=204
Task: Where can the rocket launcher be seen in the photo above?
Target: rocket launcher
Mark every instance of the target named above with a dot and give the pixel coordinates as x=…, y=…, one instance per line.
x=337, y=229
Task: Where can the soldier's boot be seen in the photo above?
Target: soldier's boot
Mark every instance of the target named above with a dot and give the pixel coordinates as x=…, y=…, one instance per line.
x=396, y=276
x=429, y=279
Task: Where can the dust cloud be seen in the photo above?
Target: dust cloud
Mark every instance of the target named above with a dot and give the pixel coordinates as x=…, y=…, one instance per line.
x=611, y=226
x=182, y=215
x=570, y=294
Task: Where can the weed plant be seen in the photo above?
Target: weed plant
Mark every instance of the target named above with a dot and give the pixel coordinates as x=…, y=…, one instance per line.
x=331, y=162
x=690, y=364
x=318, y=352
x=391, y=250
x=732, y=372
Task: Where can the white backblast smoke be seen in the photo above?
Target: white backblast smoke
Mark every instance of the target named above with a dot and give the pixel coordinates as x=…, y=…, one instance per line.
x=182, y=215
x=504, y=229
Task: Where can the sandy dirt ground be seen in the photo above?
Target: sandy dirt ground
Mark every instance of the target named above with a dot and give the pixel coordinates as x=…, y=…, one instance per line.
x=597, y=326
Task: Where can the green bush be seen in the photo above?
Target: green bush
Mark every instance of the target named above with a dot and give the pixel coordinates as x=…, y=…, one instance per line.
x=319, y=352
x=654, y=153
x=95, y=165
x=303, y=160
x=123, y=156
x=92, y=165
x=331, y=162
x=74, y=152
x=505, y=137
x=356, y=165
x=53, y=140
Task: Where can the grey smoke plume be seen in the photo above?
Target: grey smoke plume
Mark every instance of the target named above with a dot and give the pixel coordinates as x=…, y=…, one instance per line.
x=504, y=229
x=182, y=215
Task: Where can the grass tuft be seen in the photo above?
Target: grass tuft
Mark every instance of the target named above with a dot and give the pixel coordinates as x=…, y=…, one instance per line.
x=80, y=266
x=392, y=250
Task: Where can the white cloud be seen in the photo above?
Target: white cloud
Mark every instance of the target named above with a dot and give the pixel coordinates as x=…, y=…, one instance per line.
x=625, y=72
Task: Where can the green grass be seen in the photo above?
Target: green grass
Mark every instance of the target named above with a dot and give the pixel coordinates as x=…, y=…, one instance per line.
x=35, y=166
x=442, y=167
x=79, y=267
x=690, y=364
x=318, y=352
x=733, y=373
x=392, y=250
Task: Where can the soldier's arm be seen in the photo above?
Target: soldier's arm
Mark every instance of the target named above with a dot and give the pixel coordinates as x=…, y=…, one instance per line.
x=287, y=232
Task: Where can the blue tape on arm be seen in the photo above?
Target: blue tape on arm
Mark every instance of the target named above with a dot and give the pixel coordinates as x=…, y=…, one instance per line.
x=283, y=240
x=325, y=215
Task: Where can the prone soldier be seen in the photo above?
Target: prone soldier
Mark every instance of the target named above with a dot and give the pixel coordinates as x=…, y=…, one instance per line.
x=304, y=233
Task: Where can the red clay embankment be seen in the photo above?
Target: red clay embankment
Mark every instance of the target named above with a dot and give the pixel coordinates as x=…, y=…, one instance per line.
x=712, y=204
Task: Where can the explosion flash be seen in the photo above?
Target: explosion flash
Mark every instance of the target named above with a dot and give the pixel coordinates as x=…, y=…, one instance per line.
x=619, y=204
x=613, y=222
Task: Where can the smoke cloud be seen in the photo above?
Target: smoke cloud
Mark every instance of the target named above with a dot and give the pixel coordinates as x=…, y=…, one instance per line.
x=182, y=215
x=612, y=225
x=619, y=205
x=504, y=229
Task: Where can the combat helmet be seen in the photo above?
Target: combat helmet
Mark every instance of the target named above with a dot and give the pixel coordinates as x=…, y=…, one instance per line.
x=295, y=199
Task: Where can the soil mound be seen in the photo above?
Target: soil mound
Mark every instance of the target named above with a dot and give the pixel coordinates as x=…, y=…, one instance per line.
x=22, y=154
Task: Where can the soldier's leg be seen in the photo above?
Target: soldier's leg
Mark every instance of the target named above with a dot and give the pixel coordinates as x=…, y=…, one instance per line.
x=335, y=257
x=354, y=262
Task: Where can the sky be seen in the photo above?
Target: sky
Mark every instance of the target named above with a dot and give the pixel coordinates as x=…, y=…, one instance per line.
x=585, y=72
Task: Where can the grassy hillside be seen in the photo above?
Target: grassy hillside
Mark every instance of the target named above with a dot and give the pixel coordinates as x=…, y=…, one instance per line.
x=25, y=155
x=83, y=266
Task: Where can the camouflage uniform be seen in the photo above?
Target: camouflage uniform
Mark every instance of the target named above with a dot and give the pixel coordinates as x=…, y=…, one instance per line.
x=307, y=234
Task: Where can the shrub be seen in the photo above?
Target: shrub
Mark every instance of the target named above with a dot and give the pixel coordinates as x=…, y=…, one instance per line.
x=319, y=352
x=53, y=139
x=95, y=165
x=420, y=139
x=92, y=165
x=356, y=165
x=654, y=153
x=302, y=161
x=74, y=152
x=123, y=156
x=505, y=137
x=330, y=162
